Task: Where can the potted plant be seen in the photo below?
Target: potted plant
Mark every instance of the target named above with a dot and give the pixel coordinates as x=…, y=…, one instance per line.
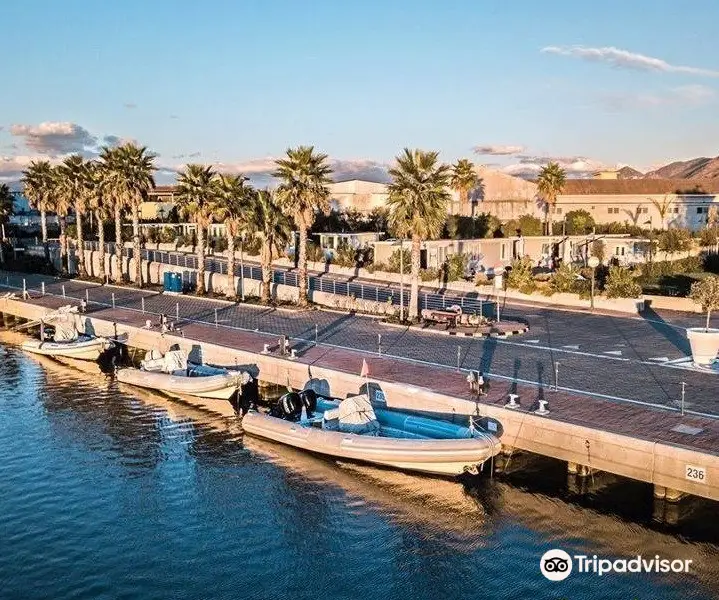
x=704, y=341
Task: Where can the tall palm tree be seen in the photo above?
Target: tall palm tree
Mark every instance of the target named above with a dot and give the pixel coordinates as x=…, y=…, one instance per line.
x=7, y=206
x=97, y=200
x=274, y=229
x=130, y=170
x=463, y=180
x=196, y=197
x=37, y=182
x=110, y=167
x=550, y=184
x=304, y=176
x=233, y=207
x=61, y=203
x=72, y=171
x=418, y=198
x=662, y=207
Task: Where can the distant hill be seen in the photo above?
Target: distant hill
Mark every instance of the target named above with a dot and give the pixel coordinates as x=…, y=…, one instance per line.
x=629, y=173
x=696, y=168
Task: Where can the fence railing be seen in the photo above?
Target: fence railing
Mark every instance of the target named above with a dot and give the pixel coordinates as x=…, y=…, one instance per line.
x=385, y=292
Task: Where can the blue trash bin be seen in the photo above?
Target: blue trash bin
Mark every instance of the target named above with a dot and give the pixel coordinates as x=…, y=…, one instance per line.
x=177, y=283
x=167, y=281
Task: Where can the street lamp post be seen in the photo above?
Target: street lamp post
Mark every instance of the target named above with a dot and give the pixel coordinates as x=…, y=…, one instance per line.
x=242, y=268
x=593, y=262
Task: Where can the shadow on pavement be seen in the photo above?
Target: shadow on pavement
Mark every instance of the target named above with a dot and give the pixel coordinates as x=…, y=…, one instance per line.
x=677, y=338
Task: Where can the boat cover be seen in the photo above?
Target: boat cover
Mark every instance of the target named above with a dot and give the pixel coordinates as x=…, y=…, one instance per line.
x=65, y=330
x=356, y=415
x=172, y=362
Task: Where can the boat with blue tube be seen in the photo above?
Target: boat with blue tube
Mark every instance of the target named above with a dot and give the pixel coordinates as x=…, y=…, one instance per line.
x=353, y=429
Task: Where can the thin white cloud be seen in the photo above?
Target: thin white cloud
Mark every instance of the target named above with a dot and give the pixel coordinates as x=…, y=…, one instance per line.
x=686, y=96
x=11, y=167
x=498, y=150
x=529, y=167
x=627, y=60
x=130, y=105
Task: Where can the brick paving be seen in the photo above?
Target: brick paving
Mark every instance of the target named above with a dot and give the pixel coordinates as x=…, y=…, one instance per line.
x=584, y=345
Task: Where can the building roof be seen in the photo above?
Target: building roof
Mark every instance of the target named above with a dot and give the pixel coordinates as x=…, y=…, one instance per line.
x=163, y=189
x=580, y=187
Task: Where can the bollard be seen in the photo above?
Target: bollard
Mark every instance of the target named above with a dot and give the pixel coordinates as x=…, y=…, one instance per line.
x=556, y=376
x=459, y=357
x=315, y=334
x=113, y=301
x=683, y=394
x=63, y=291
x=177, y=311
x=215, y=318
x=42, y=288
x=87, y=295
x=379, y=343
x=142, y=302
x=24, y=289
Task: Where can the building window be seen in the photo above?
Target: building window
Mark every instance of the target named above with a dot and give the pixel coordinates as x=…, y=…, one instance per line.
x=613, y=210
x=545, y=249
x=619, y=251
x=701, y=210
x=675, y=210
x=643, y=211
x=503, y=251
x=557, y=211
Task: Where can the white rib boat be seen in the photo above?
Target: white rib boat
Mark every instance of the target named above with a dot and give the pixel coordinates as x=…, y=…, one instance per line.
x=66, y=341
x=82, y=348
x=352, y=429
x=173, y=375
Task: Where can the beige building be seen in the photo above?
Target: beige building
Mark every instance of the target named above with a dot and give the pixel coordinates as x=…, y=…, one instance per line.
x=355, y=194
x=159, y=203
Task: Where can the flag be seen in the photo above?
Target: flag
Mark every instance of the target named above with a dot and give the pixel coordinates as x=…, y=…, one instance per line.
x=365, y=369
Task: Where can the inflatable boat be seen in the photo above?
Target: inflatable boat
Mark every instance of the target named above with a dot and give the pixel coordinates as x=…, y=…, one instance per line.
x=173, y=375
x=353, y=429
x=81, y=348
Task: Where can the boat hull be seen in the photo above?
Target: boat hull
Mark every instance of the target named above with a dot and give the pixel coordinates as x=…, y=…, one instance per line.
x=215, y=387
x=432, y=456
x=82, y=350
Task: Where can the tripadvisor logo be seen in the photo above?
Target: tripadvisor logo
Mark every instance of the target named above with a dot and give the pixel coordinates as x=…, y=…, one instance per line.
x=556, y=565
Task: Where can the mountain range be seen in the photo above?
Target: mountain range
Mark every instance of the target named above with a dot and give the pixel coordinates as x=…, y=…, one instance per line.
x=695, y=168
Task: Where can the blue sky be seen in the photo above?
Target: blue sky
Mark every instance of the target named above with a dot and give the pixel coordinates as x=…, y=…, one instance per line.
x=237, y=82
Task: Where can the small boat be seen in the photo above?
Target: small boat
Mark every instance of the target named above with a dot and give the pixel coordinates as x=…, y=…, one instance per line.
x=355, y=430
x=65, y=341
x=173, y=375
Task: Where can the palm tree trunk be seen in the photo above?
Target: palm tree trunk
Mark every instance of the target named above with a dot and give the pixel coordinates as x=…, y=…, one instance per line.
x=548, y=217
x=414, y=290
x=101, y=245
x=136, y=249
x=118, y=243
x=80, y=245
x=302, y=265
x=463, y=208
x=200, y=260
x=230, y=261
x=64, y=259
x=266, y=260
x=43, y=229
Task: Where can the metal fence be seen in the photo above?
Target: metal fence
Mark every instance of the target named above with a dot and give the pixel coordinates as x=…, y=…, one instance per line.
x=390, y=293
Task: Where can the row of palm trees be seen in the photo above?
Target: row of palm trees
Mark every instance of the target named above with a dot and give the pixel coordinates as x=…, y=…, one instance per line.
x=119, y=180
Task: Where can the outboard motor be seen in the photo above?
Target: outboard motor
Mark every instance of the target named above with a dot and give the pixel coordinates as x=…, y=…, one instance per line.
x=309, y=400
x=288, y=407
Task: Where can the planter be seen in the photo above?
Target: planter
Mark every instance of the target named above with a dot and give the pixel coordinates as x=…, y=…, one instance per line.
x=704, y=344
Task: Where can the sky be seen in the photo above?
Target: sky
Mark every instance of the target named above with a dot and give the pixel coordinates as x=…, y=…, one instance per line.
x=234, y=83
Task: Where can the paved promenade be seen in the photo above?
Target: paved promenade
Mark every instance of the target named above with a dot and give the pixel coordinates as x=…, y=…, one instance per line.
x=619, y=361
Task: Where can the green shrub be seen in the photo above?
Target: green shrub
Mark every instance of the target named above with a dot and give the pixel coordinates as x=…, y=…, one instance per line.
x=675, y=240
x=706, y=294
x=565, y=279
x=455, y=266
x=579, y=222
x=429, y=274
x=621, y=283
x=708, y=237
x=168, y=235
x=345, y=255
x=394, y=261
x=218, y=244
x=520, y=276
x=315, y=253
x=527, y=225
x=252, y=245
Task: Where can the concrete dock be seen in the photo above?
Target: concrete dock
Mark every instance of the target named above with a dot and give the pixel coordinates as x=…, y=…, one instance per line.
x=676, y=453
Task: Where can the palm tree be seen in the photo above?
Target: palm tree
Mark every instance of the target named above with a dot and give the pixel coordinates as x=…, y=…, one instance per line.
x=550, y=184
x=233, y=208
x=97, y=200
x=274, y=229
x=662, y=207
x=196, y=198
x=303, y=191
x=418, y=198
x=37, y=182
x=61, y=203
x=111, y=174
x=130, y=171
x=72, y=171
x=463, y=180
x=7, y=206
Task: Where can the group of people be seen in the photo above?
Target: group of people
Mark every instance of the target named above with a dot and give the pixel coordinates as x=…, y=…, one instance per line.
x=478, y=384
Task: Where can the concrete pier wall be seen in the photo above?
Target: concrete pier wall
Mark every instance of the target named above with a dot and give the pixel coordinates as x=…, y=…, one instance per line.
x=662, y=464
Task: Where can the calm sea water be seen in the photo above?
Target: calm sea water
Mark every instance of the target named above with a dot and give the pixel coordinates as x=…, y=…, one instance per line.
x=107, y=492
